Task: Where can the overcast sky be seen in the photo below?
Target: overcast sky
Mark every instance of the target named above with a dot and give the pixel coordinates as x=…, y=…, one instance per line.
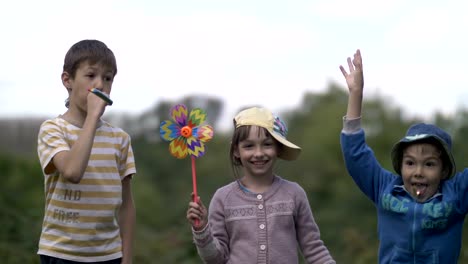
x=243, y=52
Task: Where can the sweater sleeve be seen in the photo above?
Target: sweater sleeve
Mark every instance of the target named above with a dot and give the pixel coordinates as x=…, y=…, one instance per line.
x=308, y=233
x=459, y=184
x=360, y=160
x=213, y=241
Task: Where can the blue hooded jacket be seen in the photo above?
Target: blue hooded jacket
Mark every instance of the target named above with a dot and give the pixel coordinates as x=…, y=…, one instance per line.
x=409, y=232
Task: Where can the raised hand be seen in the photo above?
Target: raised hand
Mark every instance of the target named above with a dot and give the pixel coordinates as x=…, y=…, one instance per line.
x=355, y=77
x=355, y=82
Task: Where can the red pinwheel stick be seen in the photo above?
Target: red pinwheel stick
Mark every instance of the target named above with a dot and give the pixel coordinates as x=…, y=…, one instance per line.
x=194, y=184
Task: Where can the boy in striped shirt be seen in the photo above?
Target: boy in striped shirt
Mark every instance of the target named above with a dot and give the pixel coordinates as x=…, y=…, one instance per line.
x=88, y=165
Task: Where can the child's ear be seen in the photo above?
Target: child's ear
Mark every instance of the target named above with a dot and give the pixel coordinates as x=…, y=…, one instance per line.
x=66, y=78
x=236, y=153
x=445, y=173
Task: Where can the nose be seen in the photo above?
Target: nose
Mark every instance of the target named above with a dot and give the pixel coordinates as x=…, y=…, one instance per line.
x=98, y=83
x=258, y=151
x=418, y=171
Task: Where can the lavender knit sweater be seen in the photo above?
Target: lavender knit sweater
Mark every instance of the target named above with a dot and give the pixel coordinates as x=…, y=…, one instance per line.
x=265, y=228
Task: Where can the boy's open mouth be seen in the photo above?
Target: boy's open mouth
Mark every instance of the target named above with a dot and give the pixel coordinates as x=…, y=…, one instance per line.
x=419, y=188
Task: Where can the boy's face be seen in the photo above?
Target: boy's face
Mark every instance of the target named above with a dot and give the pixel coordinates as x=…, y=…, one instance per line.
x=422, y=170
x=87, y=77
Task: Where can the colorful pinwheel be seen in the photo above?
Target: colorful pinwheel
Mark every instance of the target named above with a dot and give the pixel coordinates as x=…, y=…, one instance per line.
x=186, y=136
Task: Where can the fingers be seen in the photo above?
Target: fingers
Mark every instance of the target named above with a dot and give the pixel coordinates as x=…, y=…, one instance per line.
x=343, y=71
x=197, y=218
x=95, y=105
x=355, y=63
x=192, y=195
x=198, y=200
x=350, y=66
x=196, y=210
x=193, y=213
x=357, y=60
x=198, y=206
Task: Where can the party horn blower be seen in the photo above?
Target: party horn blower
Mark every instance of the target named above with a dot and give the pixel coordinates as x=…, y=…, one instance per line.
x=187, y=137
x=101, y=95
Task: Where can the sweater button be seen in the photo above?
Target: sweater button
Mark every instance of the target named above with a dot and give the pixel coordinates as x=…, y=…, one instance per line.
x=262, y=226
x=262, y=247
x=260, y=206
x=259, y=196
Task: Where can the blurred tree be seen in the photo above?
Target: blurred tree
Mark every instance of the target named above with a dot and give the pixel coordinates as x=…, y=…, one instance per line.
x=21, y=200
x=162, y=187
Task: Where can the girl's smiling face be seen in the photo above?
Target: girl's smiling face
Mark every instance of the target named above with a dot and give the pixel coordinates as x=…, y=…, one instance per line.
x=257, y=153
x=422, y=170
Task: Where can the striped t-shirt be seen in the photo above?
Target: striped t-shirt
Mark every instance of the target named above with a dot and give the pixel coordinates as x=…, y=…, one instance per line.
x=80, y=220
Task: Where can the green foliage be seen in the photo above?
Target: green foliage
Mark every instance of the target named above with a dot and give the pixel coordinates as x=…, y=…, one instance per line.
x=162, y=188
x=22, y=203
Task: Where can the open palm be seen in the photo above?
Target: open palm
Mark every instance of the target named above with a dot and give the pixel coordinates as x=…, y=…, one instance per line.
x=355, y=77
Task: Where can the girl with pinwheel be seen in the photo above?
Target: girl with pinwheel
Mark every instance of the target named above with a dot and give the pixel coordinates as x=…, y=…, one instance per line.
x=260, y=217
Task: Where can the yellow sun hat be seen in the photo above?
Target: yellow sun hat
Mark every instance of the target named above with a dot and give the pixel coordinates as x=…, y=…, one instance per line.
x=262, y=117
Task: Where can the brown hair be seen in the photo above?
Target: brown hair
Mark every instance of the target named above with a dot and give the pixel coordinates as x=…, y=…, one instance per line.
x=92, y=51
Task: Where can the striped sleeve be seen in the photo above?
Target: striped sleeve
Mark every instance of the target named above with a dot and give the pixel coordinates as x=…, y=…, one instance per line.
x=51, y=140
x=127, y=160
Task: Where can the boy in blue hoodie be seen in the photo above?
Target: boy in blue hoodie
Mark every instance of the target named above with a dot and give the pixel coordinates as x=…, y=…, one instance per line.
x=421, y=208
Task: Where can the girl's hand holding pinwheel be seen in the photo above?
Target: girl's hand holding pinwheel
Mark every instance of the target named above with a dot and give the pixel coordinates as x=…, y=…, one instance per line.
x=197, y=214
